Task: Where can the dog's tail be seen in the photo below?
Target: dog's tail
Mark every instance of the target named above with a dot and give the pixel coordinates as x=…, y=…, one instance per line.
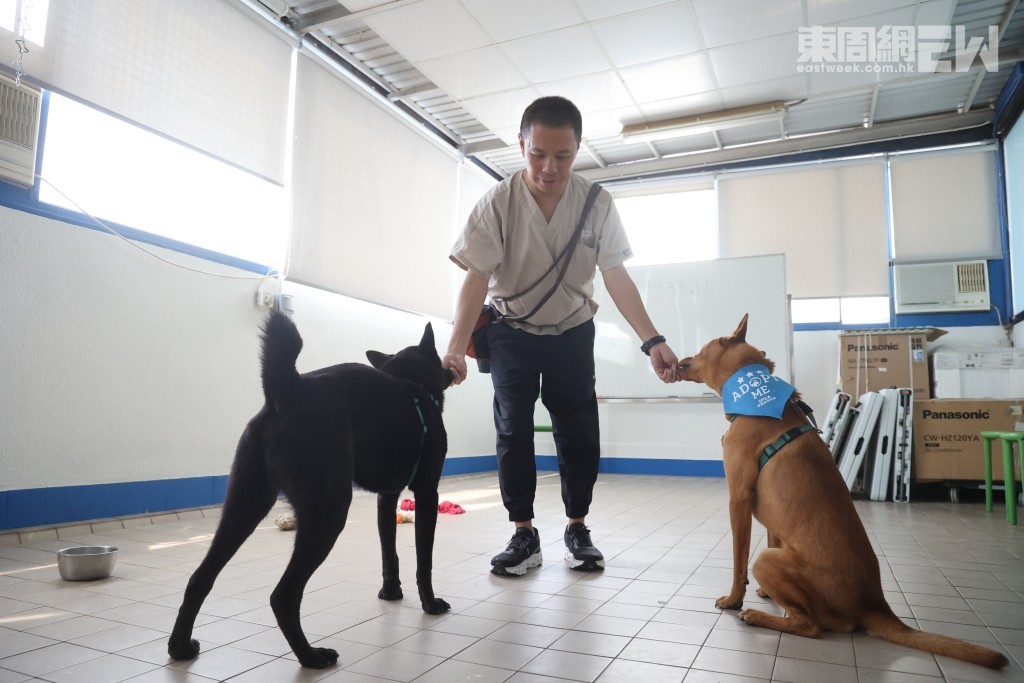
x=281, y=346
x=887, y=626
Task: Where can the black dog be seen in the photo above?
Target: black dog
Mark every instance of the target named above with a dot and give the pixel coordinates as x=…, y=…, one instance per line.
x=316, y=434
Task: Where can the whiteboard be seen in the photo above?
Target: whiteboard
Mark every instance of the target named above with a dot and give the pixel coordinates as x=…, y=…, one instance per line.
x=691, y=304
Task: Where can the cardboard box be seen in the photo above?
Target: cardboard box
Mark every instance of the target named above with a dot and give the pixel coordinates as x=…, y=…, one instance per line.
x=870, y=360
x=996, y=372
x=947, y=438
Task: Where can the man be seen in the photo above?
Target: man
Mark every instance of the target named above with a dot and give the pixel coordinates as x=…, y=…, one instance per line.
x=507, y=249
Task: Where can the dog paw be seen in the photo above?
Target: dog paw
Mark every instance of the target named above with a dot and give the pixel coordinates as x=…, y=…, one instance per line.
x=762, y=594
x=729, y=602
x=319, y=658
x=749, y=617
x=390, y=593
x=435, y=606
x=182, y=651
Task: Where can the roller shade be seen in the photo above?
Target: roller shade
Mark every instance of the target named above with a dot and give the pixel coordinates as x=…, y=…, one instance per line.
x=944, y=205
x=829, y=221
x=374, y=204
x=203, y=72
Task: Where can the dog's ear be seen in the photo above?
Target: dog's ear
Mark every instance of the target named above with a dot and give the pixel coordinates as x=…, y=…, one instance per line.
x=427, y=341
x=378, y=359
x=739, y=335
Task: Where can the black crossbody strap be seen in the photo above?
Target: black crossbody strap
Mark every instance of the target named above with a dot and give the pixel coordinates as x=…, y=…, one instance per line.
x=566, y=254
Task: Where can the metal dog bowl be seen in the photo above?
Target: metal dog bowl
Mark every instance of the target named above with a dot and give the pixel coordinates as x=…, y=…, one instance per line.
x=87, y=562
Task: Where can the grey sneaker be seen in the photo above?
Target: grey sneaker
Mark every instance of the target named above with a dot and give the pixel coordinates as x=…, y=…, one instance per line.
x=521, y=553
x=580, y=552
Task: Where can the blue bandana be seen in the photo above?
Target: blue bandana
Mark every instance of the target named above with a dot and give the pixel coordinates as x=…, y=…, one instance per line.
x=753, y=390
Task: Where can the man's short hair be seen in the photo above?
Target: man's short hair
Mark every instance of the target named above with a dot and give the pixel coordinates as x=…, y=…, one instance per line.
x=552, y=112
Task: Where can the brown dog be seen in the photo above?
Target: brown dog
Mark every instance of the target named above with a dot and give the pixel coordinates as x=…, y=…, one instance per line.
x=819, y=565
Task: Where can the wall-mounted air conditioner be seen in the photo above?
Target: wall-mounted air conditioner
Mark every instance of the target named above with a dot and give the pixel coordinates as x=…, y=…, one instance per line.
x=941, y=287
x=19, y=131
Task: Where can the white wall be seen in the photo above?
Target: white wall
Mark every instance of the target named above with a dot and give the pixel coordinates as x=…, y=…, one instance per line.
x=816, y=359
x=117, y=367
x=336, y=329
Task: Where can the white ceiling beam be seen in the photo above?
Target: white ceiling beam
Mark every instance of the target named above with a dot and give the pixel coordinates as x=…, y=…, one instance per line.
x=942, y=123
x=474, y=148
x=409, y=92
x=873, y=107
x=978, y=78
x=319, y=18
x=593, y=154
x=350, y=17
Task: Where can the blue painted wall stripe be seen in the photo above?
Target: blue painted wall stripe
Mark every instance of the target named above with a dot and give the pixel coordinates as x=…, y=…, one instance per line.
x=55, y=505
x=470, y=465
x=673, y=468
x=65, y=504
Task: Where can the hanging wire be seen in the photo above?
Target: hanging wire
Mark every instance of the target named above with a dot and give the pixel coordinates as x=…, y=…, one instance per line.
x=272, y=273
x=23, y=27
x=19, y=71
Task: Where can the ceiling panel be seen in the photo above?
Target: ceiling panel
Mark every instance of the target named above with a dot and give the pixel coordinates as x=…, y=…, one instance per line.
x=688, y=105
x=668, y=78
x=831, y=12
x=595, y=10
x=403, y=29
x=469, y=67
x=501, y=110
x=592, y=92
x=755, y=60
x=786, y=89
x=728, y=22
x=935, y=13
x=551, y=56
x=510, y=20
x=608, y=122
x=668, y=31
x=474, y=72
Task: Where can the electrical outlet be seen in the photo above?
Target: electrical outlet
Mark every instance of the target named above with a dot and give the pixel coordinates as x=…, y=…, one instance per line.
x=266, y=292
x=285, y=303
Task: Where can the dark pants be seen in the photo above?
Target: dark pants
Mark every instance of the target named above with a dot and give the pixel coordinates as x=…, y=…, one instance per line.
x=520, y=361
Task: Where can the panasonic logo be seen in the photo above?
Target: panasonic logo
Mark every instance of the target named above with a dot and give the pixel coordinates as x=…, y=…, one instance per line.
x=955, y=414
x=850, y=348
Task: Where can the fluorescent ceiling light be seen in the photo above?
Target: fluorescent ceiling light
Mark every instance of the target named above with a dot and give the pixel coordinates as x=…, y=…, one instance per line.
x=699, y=124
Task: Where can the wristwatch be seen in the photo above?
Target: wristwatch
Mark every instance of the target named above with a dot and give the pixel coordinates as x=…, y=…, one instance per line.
x=653, y=341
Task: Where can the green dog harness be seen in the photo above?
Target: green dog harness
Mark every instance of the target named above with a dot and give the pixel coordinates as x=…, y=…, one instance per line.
x=776, y=446
x=423, y=421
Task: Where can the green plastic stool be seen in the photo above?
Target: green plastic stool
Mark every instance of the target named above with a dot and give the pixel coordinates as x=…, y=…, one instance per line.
x=1009, y=480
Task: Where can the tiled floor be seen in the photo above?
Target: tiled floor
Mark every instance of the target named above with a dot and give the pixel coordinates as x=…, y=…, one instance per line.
x=649, y=617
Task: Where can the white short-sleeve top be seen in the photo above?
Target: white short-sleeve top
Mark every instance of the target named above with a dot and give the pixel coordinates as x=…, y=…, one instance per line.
x=507, y=240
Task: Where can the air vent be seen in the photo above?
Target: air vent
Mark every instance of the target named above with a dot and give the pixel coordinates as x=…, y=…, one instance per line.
x=941, y=287
x=972, y=278
x=19, y=130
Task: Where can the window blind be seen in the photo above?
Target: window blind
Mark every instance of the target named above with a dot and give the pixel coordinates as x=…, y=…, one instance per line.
x=829, y=221
x=374, y=201
x=473, y=183
x=944, y=205
x=202, y=72
x=1013, y=150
